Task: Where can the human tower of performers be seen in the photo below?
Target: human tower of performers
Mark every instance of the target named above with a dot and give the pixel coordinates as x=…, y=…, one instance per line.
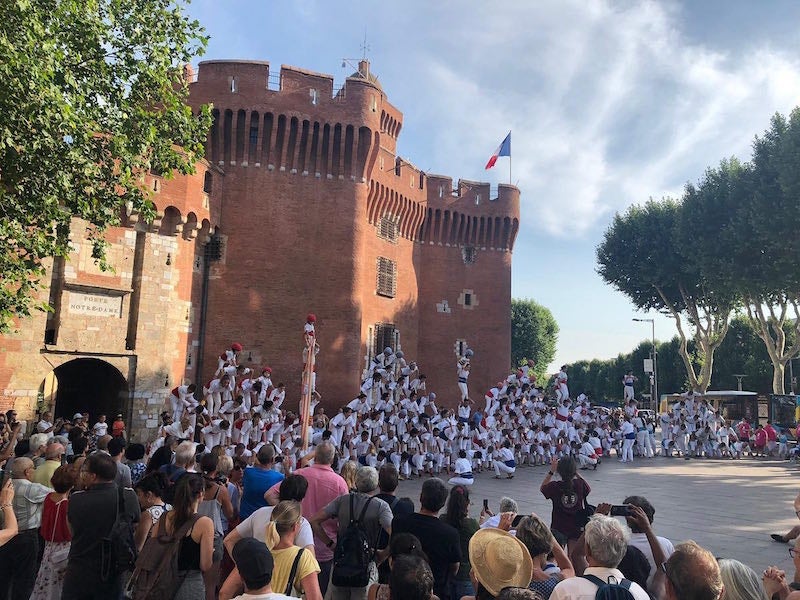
x=395, y=418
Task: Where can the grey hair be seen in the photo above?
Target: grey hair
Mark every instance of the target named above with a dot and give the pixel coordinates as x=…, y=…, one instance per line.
x=740, y=581
x=366, y=479
x=184, y=454
x=508, y=505
x=607, y=540
x=38, y=440
x=224, y=465
x=324, y=453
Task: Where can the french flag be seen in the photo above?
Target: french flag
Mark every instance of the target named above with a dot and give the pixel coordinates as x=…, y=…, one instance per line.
x=504, y=149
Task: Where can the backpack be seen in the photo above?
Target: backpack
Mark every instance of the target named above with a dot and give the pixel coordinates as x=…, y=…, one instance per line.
x=606, y=590
x=353, y=552
x=118, y=548
x=156, y=574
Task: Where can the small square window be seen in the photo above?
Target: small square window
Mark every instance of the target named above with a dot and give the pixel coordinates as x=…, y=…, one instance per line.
x=467, y=299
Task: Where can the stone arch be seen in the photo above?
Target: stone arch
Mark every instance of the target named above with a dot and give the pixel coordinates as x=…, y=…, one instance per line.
x=172, y=222
x=88, y=385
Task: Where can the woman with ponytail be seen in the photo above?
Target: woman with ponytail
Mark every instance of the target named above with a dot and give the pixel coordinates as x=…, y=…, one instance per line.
x=260, y=525
x=196, y=549
x=568, y=497
x=281, y=533
x=216, y=502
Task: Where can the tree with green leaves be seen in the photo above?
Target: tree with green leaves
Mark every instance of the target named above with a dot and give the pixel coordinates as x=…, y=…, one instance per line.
x=763, y=244
x=93, y=96
x=534, y=333
x=640, y=256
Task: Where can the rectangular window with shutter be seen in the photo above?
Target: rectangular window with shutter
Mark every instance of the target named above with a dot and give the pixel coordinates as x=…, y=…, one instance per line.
x=387, y=228
x=385, y=337
x=387, y=277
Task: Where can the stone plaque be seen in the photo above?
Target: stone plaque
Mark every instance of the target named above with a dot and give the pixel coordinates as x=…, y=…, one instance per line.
x=96, y=305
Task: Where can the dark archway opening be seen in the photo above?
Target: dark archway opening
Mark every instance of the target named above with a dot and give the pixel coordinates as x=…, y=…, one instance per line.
x=90, y=385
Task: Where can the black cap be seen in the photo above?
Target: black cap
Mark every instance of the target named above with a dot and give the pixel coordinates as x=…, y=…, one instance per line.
x=254, y=562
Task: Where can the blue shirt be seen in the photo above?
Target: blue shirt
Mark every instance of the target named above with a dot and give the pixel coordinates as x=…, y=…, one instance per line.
x=255, y=483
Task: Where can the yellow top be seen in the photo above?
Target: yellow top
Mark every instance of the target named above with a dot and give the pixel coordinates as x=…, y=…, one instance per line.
x=283, y=567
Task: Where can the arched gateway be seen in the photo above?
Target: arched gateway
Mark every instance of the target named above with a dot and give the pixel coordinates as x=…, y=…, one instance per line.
x=87, y=385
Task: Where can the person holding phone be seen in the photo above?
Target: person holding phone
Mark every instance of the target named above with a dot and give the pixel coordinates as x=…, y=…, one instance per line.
x=10, y=528
x=568, y=497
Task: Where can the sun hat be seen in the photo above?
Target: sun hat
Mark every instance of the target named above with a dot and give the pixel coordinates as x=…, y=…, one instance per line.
x=499, y=560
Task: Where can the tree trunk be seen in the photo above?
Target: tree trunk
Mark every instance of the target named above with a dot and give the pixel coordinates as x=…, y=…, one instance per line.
x=778, y=377
x=769, y=327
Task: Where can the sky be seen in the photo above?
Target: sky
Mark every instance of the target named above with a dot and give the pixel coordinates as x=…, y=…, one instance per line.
x=609, y=104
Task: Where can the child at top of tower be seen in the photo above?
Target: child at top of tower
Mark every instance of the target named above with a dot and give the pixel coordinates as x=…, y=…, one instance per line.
x=309, y=332
x=228, y=358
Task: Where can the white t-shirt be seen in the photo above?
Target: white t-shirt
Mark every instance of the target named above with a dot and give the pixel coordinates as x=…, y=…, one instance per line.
x=639, y=540
x=255, y=526
x=100, y=429
x=270, y=596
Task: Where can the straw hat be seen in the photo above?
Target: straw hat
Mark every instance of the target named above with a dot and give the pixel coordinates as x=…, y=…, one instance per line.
x=499, y=560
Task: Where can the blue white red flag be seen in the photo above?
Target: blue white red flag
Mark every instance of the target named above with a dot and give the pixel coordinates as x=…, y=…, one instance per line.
x=504, y=149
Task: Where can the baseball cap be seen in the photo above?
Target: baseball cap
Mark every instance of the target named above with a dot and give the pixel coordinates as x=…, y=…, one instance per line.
x=77, y=416
x=254, y=562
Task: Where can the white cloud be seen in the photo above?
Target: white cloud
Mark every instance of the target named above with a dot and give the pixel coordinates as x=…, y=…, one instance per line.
x=609, y=104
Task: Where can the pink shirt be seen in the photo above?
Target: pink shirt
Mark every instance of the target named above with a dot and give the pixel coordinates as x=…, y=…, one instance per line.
x=324, y=484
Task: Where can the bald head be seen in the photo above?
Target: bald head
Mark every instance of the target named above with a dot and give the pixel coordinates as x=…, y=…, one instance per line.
x=54, y=452
x=22, y=468
x=102, y=443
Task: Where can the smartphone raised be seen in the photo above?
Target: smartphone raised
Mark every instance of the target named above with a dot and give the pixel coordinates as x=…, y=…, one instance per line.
x=486, y=505
x=620, y=510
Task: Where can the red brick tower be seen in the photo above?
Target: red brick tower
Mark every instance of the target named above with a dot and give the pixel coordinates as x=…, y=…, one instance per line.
x=319, y=214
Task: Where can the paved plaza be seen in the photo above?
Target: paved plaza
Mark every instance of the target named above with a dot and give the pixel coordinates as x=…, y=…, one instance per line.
x=730, y=507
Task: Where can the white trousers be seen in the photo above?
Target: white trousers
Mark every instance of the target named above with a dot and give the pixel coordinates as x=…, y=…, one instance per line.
x=462, y=385
x=177, y=408
x=460, y=481
x=563, y=392
x=627, y=449
x=586, y=461
x=501, y=467
x=641, y=442
x=628, y=392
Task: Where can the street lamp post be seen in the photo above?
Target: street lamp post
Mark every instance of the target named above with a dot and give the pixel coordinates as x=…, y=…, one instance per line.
x=654, y=384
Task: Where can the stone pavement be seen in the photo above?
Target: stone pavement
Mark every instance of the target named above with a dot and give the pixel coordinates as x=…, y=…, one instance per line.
x=729, y=507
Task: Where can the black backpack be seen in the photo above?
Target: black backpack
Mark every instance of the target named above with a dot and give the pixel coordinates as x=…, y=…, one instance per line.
x=611, y=590
x=118, y=548
x=353, y=552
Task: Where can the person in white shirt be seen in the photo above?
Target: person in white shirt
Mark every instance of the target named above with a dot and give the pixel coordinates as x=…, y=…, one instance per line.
x=586, y=455
x=561, y=384
x=504, y=461
x=45, y=425
x=628, y=433
x=639, y=539
x=463, y=470
x=462, y=369
x=180, y=399
x=606, y=544
x=101, y=427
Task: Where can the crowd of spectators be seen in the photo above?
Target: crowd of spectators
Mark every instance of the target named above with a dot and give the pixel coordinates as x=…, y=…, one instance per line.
x=245, y=527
